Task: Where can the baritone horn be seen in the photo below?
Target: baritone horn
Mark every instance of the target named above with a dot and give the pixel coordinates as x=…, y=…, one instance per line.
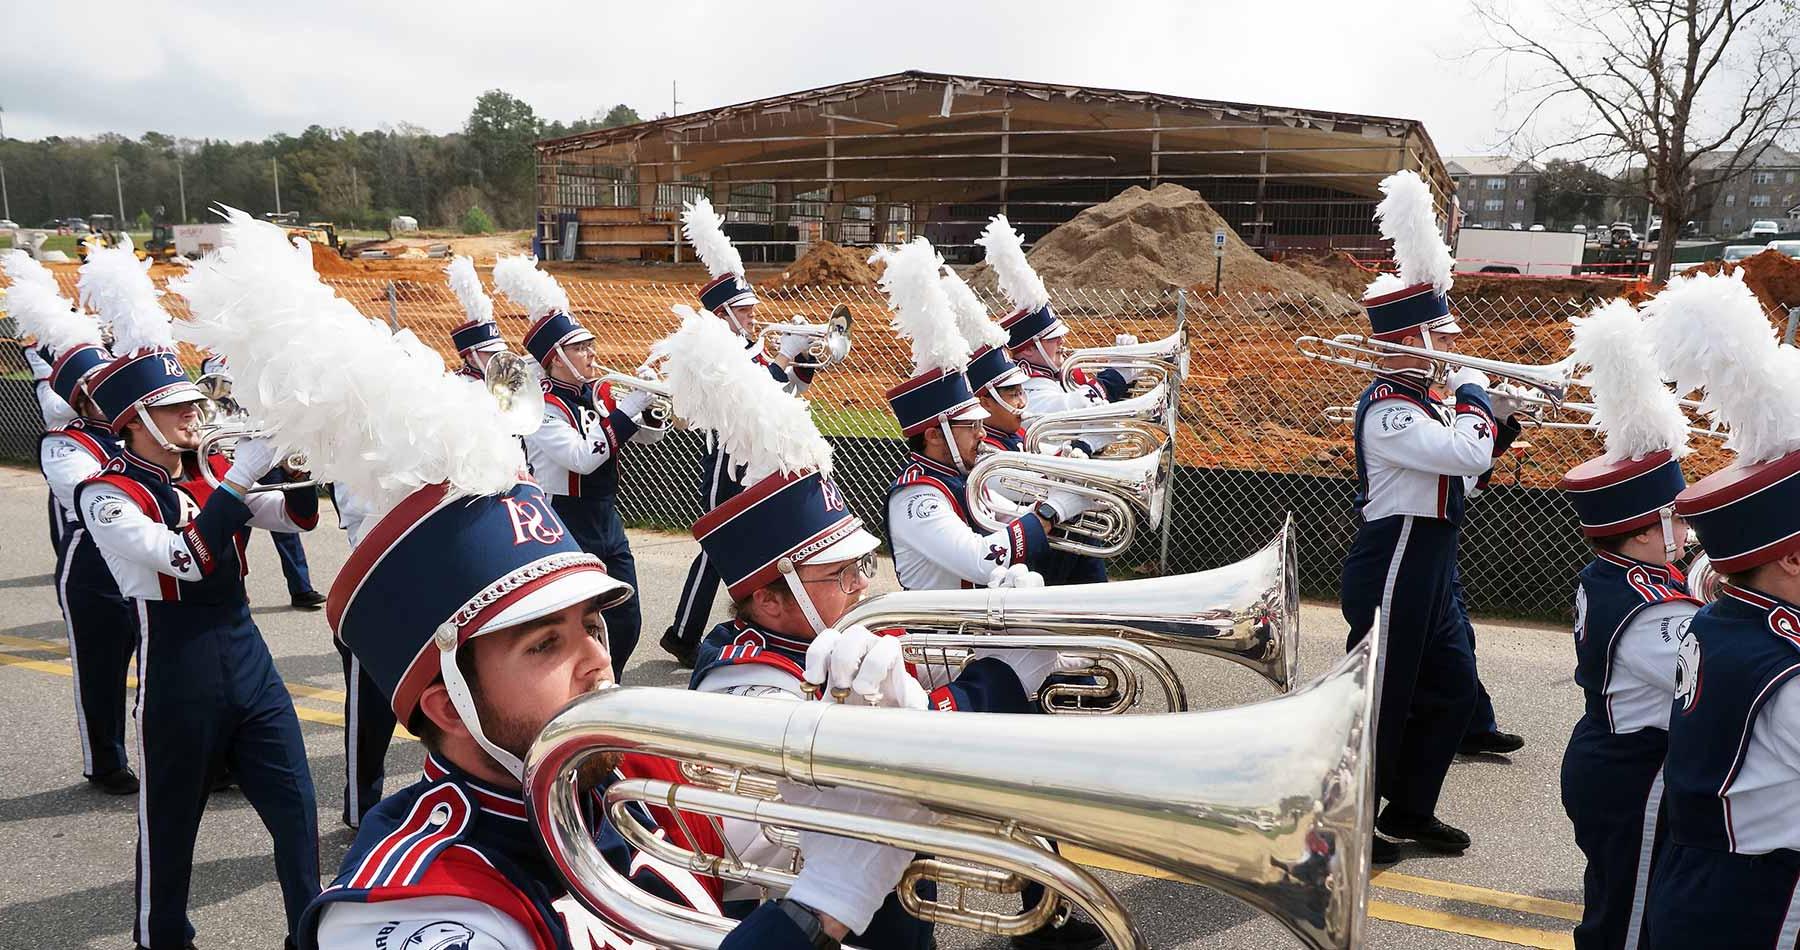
x=829, y=342
x=1122, y=493
x=1269, y=803
x=1358, y=351
x=1163, y=361
x=1132, y=428
x=1247, y=612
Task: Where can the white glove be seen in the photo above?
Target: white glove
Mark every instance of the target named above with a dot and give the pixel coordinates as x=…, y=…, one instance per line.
x=1034, y=666
x=251, y=459
x=1068, y=450
x=794, y=344
x=634, y=402
x=645, y=372
x=1018, y=575
x=1125, y=339
x=40, y=370
x=1068, y=504
x=1466, y=376
x=844, y=877
x=1506, y=402
x=867, y=665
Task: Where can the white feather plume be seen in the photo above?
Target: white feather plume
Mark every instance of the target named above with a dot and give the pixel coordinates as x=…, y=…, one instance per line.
x=704, y=228
x=467, y=288
x=922, y=312
x=117, y=286
x=37, y=303
x=1408, y=218
x=1006, y=253
x=519, y=278
x=971, y=316
x=373, y=410
x=1382, y=285
x=1709, y=332
x=1636, y=413
x=760, y=425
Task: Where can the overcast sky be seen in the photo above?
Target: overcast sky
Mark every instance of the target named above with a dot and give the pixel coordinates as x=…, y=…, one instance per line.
x=236, y=70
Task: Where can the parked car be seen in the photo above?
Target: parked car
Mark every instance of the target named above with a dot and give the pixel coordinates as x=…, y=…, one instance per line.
x=1535, y=227
x=1738, y=252
x=1763, y=229
x=1790, y=248
x=8, y=224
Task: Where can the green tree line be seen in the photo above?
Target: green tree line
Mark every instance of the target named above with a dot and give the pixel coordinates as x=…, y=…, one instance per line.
x=357, y=179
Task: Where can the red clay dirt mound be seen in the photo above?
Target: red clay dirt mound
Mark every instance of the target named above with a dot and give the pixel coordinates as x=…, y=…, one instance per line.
x=328, y=264
x=829, y=265
x=1774, y=276
x=1506, y=287
x=1335, y=269
x=1154, y=240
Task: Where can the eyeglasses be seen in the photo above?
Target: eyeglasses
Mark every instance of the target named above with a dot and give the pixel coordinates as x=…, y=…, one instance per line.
x=846, y=575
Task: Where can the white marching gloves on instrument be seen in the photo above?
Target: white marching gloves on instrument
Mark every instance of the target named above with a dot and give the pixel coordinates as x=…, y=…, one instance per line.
x=1507, y=401
x=1068, y=504
x=868, y=666
x=634, y=402
x=251, y=459
x=845, y=877
x=794, y=344
x=1017, y=575
x=1125, y=339
x=1467, y=376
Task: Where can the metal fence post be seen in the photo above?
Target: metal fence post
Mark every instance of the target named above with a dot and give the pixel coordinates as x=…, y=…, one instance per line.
x=393, y=308
x=1793, y=319
x=1162, y=561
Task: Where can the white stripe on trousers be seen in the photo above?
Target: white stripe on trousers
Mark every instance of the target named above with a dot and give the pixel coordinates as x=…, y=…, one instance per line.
x=690, y=592
x=62, y=594
x=1790, y=925
x=143, y=815
x=352, y=747
x=1387, y=605
x=1640, y=891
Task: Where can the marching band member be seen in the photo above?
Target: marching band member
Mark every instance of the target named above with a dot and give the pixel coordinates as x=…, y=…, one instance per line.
x=1730, y=865
x=574, y=454
x=1631, y=611
x=101, y=625
x=936, y=546
x=1035, y=333
x=56, y=413
x=479, y=339
x=1413, y=468
x=209, y=696
x=795, y=560
x=729, y=296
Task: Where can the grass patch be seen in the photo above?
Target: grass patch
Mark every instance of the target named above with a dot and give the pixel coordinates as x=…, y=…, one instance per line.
x=872, y=423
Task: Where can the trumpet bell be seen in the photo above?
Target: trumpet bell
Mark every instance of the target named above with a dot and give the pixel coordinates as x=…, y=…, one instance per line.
x=1270, y=803
x=661, y=412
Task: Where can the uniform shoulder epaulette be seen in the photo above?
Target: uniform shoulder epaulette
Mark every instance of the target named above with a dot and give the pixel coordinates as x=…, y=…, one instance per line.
x=438, y=819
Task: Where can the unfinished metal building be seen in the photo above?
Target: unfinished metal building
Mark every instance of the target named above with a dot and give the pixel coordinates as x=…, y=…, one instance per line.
x=879, y=160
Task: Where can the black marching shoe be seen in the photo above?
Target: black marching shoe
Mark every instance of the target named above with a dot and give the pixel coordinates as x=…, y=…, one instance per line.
x=1427, y=831
x=308, y=600
x=674, y=646
x=117, y=782
x=1491, y=743
x=1383, y=851
x=1072, y=934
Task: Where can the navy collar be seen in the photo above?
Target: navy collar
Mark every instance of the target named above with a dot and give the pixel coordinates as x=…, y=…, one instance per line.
x=501, y=803
x=1658, y=572
x=779, y=641
x=932, y=465
x=153, y=471
x=1762, y=602
x=1407, y=386
x=563, y=389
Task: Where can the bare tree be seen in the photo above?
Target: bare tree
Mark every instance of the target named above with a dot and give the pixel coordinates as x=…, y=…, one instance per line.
x=1656, y=84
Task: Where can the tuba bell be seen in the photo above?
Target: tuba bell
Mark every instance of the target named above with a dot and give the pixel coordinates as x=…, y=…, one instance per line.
x=1132, y=427
x=1247, y=612
x=1163, y=361
x=1270, y=803
x=1123, y=493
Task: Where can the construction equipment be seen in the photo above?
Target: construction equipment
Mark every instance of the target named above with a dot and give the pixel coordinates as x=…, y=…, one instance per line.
x=103, y=231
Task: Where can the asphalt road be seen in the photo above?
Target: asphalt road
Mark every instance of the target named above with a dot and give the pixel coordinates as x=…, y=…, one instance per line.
x=66, y=878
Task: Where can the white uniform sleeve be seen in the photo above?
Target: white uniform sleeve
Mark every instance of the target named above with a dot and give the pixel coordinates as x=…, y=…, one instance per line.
x=751, y=679
x=66, y=464
x=268, y=511
x=1048, y=395
x=922, y=520
x=645, y=435
x=1777, y=731
x=1399, y=434
x=125, y=535
x=1649, y=644
x=434, y=921
x=354, y=515
x=558, y=442
x=55, y=411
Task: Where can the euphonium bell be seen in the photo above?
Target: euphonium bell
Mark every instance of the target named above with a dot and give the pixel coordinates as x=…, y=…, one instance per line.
x=1130, y=428
x=1269, y=803
x=1121, y=492
x=1163, y=361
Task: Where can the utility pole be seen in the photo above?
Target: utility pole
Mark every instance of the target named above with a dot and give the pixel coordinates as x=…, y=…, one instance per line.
x=674, y=103
x=275, y=170
x=181, y=183
x=5, y=199
x=119, y=190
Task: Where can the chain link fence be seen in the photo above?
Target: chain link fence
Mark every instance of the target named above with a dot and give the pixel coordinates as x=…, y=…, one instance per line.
x=1253, y=447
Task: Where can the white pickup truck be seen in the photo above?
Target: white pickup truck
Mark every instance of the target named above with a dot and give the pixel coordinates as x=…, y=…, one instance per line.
x=1539, y=253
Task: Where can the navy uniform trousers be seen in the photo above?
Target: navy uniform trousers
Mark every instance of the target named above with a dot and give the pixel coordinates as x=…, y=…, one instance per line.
x=701, y=588
x=209, y=699
x=103, y=632
x=1604, y=777
x=1402, y=566
x=595, y=523
x=368, y=731
x=1481, y=721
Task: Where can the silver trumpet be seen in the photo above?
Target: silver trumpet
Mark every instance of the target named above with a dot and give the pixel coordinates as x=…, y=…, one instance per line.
x=1366, y=353
x=1270, y=802
x=1163, y=361
x=1123, y=492
x=661, y=413
x=830, y=342
x=221, y=438
x=1132, y=427
x=1535, y=418
x=1247, y=612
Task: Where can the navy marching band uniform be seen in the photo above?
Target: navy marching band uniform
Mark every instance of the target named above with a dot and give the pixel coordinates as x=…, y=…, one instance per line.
x=574, y=456
x=56, y=413
x=209, y=697
x=1630, y=617
x=1413, y=467
x=101, y=625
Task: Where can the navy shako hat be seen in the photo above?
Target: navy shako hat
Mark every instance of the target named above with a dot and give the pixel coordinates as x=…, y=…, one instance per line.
x=551, y=331
x=990, y=366
x=726, y=290
x=1746, y=515
x=1623, y=497
x=473, y=337
x=1420, y=306
x=143, y=379
x=797, y=518
x=1023, y=326
x=69, y=369
x=440, y=569
x=938, y=394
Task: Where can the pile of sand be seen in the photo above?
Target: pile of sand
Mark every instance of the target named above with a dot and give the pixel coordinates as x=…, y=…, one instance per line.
x=828, y=265
x=327, y=263
x=1156, y=240
x=1773, y=275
